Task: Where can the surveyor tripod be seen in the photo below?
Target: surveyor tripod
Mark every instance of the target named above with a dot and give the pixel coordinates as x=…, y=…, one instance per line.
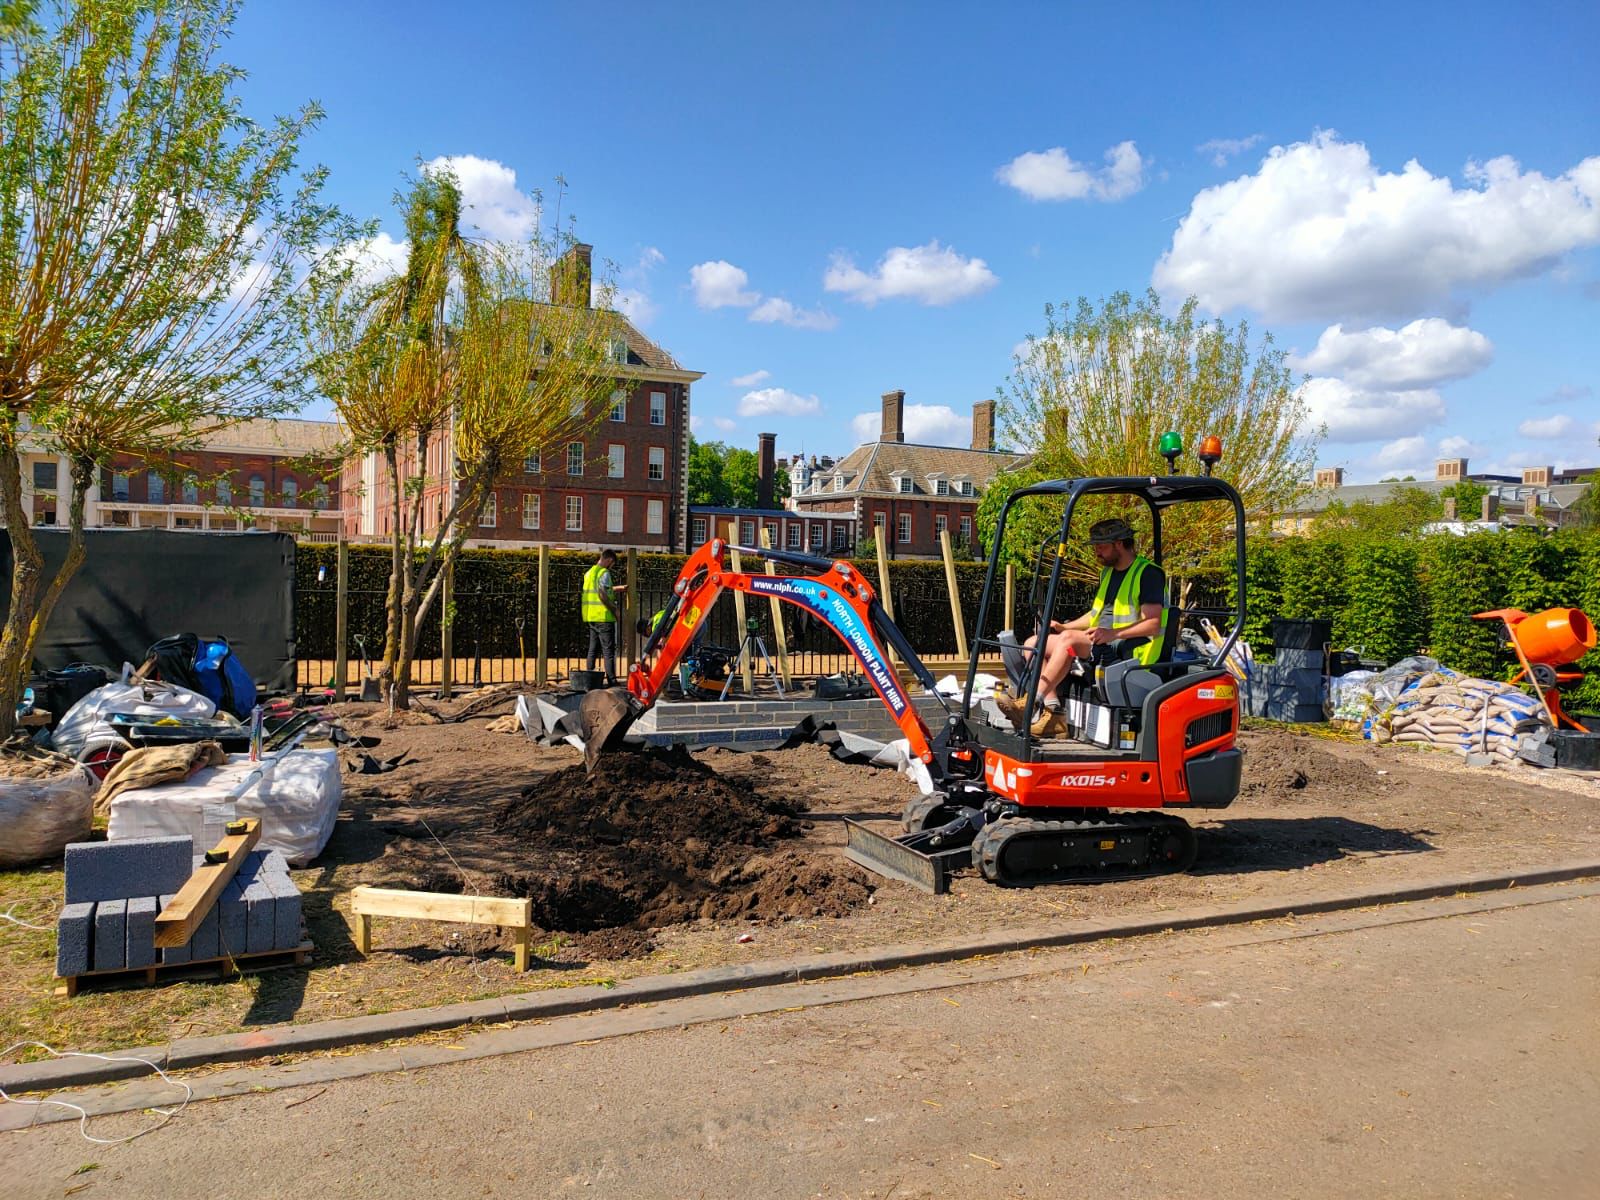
x=752, y=645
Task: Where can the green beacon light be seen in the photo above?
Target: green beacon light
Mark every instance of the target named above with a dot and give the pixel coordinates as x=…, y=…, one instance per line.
x=1171, y=447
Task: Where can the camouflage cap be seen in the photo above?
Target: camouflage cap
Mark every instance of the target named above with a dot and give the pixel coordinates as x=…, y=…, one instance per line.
x=1112, y=529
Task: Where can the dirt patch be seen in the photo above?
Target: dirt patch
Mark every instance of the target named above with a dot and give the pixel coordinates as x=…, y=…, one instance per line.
x=656, y=838
x=1282, y=766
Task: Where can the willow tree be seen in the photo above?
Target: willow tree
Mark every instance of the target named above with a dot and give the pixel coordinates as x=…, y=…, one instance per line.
x=1095, y=392
x=154, y=242
x=476, y=357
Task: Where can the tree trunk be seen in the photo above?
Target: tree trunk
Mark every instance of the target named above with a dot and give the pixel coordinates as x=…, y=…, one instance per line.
x=82, y=477
x=391, y=639
x=27, y=565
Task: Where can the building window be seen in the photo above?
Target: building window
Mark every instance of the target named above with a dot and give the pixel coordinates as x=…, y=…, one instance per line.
x=747, y=533
x=654, y=515
x=902, y=484
x=658, y=408
x=619, y=354
x=840, y=537
x=577, y=404
x=119, y=485
x=966, y=487
x=619, y=405
x=530, y=465
x=45, y=475
x=940, y=523
x=614, y=514
x=966, y=531
x=941, y=487
x=224, y=491
x=816, y=536
x=156, y=488
x=44, y=511
x=838, y=483
x=794, y=535
x=490, y=516
x=258, y=491
x=658, y=462
x=291, y=493
x=772, y=533
x=904, y=528
x=574, y=512
x=878, y=520
x=574, y=458
x=530, y=510
x=617, y=460
x=697, y=530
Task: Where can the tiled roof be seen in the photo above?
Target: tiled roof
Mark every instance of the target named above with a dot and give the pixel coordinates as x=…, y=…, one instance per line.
x=288, y=436
x=870, y=469
x=1315, y=500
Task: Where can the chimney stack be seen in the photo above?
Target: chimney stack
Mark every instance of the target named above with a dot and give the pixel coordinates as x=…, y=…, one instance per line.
x=1537, y=476
x=766, y=468
x=1450, y=470
x=894, y=406
x=570, y=277
x=1330, y=477
x=1491, y=507
x=1449, y=508
x=983, y=425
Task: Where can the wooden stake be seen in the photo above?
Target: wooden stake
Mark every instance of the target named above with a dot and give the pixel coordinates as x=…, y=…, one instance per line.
x=541, y=665
x=341, y=619
x=513, y=914
x=1011, y=597
x=447, y=633
x=884, y=596
x=778, y=631
x=955, y=596
x=176, y=923
x=630, y=611
x=746, y=671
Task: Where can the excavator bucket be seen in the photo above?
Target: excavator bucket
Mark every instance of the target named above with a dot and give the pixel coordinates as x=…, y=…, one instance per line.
x=604, y=716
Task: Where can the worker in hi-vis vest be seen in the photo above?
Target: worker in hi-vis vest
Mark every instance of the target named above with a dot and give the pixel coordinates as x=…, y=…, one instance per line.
x=602, y=608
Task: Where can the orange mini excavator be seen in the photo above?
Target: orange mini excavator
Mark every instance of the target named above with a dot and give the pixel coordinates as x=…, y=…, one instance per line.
x=1024, y=810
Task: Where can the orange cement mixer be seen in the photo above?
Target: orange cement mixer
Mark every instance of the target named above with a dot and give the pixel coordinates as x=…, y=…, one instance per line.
x=1545, y=641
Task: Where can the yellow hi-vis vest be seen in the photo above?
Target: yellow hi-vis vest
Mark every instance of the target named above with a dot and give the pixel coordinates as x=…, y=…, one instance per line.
x=1125, y=609
x=594, y=606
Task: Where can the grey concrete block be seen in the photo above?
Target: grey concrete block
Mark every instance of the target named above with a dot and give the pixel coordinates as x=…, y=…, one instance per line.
x=286, y=911
x=74, y=936
x=141, y=947
x=110, y=935
x=234, y=930
x=258, y=902
x=173, y=954
x=206, y=942
x=127, y=867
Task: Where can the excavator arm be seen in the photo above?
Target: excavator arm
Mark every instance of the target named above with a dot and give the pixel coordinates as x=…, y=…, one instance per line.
x=836, y=594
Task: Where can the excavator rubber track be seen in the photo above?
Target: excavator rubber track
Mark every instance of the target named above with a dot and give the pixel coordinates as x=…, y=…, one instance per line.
x=1025, y=852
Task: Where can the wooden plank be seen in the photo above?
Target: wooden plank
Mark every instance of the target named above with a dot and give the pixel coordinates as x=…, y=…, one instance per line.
x=541, y=664
x=447, y=634
x=884, y=597
x=523, y=947
x=746, y=669
x=630, y=613
x=176, y=923
x=955, y=596
x=162, y=972
x=363, y=933
x=778, y=630
x=341, y=620
x=441, y=906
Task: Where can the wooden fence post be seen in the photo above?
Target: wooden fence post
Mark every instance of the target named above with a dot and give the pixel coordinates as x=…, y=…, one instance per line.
x=778, y=631
x=541, y=666
x=955, y=596
x=1011, y=597
x=341, y=619
x=630, y=612
x=884, y=597
x=447, y=634
x=746, y=669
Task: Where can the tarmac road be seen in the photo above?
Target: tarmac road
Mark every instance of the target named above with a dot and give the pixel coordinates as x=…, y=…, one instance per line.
x=1429, y=1055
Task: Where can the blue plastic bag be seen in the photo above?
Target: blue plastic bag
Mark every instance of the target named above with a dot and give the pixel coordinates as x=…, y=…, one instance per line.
x=223, y=678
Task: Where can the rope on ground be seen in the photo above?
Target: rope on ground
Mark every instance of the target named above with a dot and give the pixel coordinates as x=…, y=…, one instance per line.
x=166, y=1114
x=6, y=916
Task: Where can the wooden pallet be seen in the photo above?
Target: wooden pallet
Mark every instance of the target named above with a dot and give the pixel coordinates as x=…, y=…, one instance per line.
x=221, y=968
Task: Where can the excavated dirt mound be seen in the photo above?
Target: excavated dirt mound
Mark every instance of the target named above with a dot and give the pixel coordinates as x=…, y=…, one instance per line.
x=1285, y=767
x=655, y=838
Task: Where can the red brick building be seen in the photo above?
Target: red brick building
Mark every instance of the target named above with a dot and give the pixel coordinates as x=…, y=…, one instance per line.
x=915, y=492
x=625, y=484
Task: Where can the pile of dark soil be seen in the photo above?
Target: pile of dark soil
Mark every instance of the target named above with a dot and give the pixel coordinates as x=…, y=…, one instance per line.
x=1280, y=766
x=655, y=838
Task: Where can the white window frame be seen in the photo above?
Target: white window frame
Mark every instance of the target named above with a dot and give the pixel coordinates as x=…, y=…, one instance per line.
x=291, y=493
x=902, y=484
x=658, y=408
x=154, y=484
x=941, y=487
x=531, y=464
x=772, y=532
x=574, y=514
x=841, y=537
x=658, y=463
x=903, y=529
x=616, y=460
x=838, y=483
x=578, y=446
x=619, y=405
x=940, y=523
x=619, y=350
x=795, y=536
x=880, y=520
x=697, y=530
x=655, y=516
x=616, y=514
x=818, y=534
x=747, y=532
x=489, y=518
x=966, y=531
x=224, y=491
x=531, y=507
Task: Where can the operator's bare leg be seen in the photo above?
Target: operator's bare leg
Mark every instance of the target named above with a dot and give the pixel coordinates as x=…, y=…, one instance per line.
x=1059, y=653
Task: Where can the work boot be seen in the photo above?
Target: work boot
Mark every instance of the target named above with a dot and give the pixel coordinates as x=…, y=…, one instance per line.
x=1012, y=707
x=1050, y=724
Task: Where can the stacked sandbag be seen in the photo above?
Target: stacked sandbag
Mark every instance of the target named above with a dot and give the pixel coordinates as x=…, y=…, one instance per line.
x=1456, y=712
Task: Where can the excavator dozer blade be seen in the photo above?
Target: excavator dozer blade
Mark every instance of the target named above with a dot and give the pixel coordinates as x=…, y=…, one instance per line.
x=604, y=716
x=890, y=857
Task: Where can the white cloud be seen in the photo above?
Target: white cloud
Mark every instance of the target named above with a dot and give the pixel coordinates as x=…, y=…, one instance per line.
x=930, y=274
x=775, y=309
x=720, y=284
x=699, y=423
x=1320, y=231
x=1354, y=414
x=1567, y=393
x=651, y=257
x=778, y=402
x=380, y=258
x=1403, y=456
x=489, y=193
x=751, y=379
x=926, y=424
x=1220, y=150
x=1053, y=175
x=634, y=304
x=1548, y=429
x=1422, y=354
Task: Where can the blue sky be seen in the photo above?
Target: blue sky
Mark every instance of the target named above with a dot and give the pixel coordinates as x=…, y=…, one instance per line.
x=829, y=201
